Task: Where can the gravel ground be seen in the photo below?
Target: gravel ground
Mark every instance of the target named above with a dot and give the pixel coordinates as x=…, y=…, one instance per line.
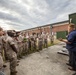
x=45, y=62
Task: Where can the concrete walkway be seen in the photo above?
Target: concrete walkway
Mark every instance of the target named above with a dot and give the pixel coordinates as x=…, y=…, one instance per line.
x=45, y=62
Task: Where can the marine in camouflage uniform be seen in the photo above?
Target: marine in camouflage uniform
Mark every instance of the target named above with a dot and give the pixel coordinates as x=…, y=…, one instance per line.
x=11, y=52
x=25, y=45
x=32, y=45
x=25, y=41
x=20, y=44
x=1, y=48
x=1, y=65
x=45, y=40
x=29, y=44
x=35, y=41
x=40, y=42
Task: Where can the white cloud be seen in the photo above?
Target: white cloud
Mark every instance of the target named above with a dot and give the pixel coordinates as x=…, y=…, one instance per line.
x=24, y=14
x=4, y=25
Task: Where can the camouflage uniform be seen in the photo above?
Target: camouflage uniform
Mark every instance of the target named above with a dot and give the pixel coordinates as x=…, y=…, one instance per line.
x=29, y=44
x=16, y=45
x=1, y=58
x=32, y=44
x=45, y=41
x=11, y=55
x=35, y=42
x=5, y=45
x=1, y=65
x=26, y=47
x=52, y=39
x=20, y=39
x=40, y=42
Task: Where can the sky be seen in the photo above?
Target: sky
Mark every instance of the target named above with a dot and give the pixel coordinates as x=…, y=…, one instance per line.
x=25, y=14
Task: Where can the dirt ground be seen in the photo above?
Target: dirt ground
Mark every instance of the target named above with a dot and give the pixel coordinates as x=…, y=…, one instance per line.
x=45, y=62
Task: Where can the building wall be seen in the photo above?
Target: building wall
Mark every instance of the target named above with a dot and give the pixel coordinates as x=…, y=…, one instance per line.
x=55, y=28
x=39, y=30
x=46, y=29
x=63, y=27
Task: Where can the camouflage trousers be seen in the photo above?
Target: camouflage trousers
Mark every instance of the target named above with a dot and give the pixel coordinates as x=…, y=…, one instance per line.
x=40, y=45
x=12, y=57
x=45, y=43
x=1, y=63
x=20, y=50
x=2, y=73
x=26, y=47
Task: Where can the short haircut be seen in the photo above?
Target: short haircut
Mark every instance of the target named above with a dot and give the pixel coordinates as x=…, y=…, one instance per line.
x=72, y=25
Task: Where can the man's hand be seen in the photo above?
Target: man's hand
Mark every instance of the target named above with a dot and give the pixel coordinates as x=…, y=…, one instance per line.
x=60, y=39
x=66, y=41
